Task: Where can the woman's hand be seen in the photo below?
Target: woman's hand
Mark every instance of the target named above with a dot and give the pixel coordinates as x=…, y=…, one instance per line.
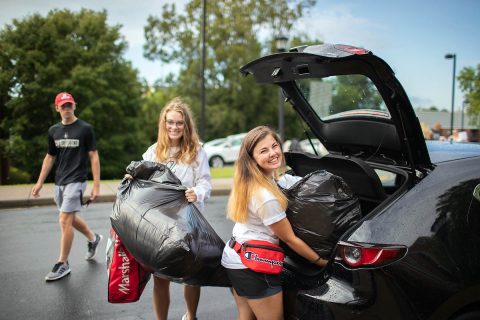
x=128, y=176
x=320, y=262
x=190, y=195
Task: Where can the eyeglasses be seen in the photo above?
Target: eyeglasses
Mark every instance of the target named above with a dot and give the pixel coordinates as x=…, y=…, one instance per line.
x=178, y=124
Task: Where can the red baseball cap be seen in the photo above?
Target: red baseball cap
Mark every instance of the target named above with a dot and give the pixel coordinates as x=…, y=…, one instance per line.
x=63, y=97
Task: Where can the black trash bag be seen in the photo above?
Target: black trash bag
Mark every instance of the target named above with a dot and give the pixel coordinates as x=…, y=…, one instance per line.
x=321, y=207
x=165, y=232
x=297, y=275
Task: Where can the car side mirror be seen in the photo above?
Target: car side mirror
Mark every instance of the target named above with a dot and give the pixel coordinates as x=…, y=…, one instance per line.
x=476, y=193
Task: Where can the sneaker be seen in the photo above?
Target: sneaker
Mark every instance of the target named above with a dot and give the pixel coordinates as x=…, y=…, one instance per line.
x=92, y=247
x=60, y=270
x=185, y=317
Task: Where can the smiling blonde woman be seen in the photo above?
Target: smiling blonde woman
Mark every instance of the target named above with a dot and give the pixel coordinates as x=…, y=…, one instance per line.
x=179, y=148
x=258, y=207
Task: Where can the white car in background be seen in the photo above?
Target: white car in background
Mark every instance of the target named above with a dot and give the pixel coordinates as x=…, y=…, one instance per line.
x=214, y=142
x=306, y=146
x=224, y=150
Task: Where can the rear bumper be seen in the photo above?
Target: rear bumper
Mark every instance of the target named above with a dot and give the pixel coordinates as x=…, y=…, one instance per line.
x=357, y=295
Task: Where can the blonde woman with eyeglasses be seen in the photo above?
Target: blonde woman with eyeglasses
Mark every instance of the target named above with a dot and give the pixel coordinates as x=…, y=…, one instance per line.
x=178, y=147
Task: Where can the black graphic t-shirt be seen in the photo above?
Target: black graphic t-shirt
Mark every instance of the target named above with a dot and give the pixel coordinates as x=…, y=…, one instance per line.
x=70, y=145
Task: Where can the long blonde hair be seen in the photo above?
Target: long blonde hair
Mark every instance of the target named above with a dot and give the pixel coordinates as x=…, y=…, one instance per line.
x=189, y=143
x=249, y=177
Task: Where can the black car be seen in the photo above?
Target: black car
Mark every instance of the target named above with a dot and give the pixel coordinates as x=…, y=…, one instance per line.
x=415, y=253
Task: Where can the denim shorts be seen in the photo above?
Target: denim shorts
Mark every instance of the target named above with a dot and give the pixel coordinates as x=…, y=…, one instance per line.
x=254, y=285
x=69, y=197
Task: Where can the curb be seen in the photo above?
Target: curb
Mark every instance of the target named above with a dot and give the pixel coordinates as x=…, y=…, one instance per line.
x=25, y=203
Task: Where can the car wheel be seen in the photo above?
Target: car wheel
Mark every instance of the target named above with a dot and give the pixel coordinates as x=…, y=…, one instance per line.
x=216, y=162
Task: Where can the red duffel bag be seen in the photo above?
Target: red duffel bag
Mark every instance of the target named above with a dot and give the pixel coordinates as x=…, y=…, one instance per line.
x=126, y=277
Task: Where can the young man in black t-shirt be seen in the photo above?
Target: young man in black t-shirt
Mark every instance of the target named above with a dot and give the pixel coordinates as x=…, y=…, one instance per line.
x=71, y=143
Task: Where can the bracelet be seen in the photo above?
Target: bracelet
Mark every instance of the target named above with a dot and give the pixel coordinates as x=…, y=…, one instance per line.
x=315, y=262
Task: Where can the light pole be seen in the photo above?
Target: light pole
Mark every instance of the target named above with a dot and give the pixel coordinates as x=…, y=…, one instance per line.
x=281, y=46
x=202, y=89
x=454, y=57
x=465, y=101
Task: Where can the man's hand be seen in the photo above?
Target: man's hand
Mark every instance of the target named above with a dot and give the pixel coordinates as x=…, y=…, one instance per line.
x=36, y=190
x=190, y=195
x=47, y=165
x=95, y=163
x=95, y=192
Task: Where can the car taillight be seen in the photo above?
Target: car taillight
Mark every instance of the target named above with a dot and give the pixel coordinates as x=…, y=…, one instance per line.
x=365, y=255
x=351, y=49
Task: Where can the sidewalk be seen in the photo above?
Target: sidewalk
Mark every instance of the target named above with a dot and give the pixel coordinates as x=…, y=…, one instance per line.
x=19, y=195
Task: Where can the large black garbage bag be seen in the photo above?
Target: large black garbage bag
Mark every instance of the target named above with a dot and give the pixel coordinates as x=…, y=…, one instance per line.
x=321, y=207
x=303, y=275
x=163, y=231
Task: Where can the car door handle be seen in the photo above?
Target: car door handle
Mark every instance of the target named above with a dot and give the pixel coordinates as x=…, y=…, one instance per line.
x=473, y=217
x=476, y=193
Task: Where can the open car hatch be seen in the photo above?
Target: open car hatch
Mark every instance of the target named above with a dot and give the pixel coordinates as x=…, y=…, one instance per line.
x=351, y=100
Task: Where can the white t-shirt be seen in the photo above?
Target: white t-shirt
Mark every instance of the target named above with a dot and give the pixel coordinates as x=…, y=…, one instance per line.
x=195, y=175
x=263, y=210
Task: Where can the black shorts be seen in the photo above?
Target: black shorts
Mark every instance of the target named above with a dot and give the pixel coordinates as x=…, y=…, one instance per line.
x=254, y=285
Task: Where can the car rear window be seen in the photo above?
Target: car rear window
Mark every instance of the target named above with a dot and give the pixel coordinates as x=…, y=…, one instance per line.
x=343, y=96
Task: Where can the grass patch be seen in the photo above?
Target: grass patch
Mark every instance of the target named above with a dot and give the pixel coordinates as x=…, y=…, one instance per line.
x=224, y=172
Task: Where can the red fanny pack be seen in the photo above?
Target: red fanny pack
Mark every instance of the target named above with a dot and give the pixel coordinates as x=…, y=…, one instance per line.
x=260, y=256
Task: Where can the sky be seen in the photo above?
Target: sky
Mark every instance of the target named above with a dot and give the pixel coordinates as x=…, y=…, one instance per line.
x=412, y=36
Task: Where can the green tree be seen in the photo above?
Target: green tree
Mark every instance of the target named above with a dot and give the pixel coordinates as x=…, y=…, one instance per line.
x=354, y=92
x=234, y=103
x=469, y=79
x=66, y=51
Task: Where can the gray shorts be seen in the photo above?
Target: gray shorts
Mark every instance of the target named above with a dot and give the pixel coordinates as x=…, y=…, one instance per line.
x=69, y=197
